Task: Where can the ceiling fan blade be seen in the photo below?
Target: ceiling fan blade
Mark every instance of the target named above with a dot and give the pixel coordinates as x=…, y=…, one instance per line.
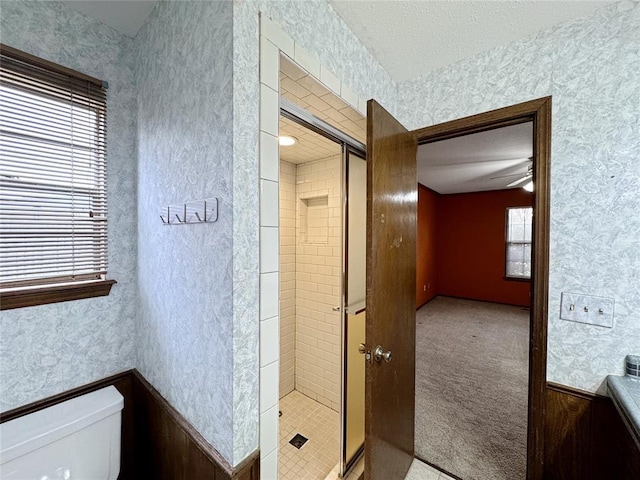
x=519, y=181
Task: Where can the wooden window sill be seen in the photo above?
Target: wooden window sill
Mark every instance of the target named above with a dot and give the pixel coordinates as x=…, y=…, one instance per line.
x=44, y=294
x=517, y=279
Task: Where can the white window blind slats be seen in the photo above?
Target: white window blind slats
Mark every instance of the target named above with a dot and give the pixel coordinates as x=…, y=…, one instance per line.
x=54, y=151
x=36, y=174
x=53, y=205
x=518, y=239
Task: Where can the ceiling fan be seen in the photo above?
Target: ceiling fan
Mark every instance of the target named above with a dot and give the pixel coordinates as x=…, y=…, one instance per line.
x=528, y=175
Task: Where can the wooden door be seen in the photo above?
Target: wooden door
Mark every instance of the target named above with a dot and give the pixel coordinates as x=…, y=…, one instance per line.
x=391, y=268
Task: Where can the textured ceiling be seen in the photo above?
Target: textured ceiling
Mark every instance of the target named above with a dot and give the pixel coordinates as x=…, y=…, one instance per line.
x=469, y=163
x=411, y=38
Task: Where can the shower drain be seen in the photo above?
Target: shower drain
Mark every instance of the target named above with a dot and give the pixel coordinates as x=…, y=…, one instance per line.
x=298, y=440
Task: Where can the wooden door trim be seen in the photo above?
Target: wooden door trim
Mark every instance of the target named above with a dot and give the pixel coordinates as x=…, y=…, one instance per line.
x=538, y=111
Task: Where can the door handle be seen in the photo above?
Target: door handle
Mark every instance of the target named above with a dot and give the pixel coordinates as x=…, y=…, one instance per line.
x=379, y=354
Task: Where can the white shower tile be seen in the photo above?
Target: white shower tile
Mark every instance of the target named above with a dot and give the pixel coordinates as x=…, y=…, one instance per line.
x=269, y=249
x=269, y=466
x=362, y=106
x=349, y=96
x=276, y=35
x=269, y=341
x=269, y=386
x=307, y=61
x=268, y=295
x=269, y=64
x=268, y=432
x=269, y=110
x=329, y=79
x=268, y=203
x=269, y=156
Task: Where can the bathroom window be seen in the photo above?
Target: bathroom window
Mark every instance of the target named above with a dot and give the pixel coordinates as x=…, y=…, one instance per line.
x=518, y=242
x=53, y=206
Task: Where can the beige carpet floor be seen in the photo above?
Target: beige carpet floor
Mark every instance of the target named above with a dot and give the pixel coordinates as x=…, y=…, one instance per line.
x=471, y=388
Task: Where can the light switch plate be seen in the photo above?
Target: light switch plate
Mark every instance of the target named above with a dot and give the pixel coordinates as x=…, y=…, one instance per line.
x=589, y=309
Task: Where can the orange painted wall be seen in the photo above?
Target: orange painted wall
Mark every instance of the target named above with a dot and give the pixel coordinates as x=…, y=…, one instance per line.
x=470, y=233
x=426, y=254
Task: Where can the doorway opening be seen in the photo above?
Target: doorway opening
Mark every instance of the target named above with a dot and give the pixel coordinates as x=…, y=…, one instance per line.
x=322, y=204
x=473, y=269
x=518, y=242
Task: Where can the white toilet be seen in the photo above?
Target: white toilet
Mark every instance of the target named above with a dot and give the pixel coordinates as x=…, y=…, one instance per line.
x=77, y=439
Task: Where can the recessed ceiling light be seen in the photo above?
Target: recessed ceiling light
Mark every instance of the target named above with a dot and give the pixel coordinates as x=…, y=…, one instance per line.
x=286, y=140
x=528, y=186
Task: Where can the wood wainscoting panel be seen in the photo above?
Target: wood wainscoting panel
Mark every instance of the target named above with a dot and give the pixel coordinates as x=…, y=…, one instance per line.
x=169, y=448
x=585, y=438
x=567, y=436
x=157, y=441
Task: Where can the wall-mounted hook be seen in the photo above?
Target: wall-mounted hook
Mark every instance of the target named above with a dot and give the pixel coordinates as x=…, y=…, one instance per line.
x=198, y=211
x=211, y=210
x=166, y=217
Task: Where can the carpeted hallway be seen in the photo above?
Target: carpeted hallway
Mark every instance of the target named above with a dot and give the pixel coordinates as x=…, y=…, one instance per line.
x=471, y=388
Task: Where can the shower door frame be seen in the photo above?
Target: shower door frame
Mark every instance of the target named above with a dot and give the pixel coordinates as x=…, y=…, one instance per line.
x=346, y=464
x=349, y=145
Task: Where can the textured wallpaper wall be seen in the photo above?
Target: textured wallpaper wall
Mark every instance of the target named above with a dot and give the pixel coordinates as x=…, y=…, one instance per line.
x=185, y=120
x=591, y=67
x=47, y=349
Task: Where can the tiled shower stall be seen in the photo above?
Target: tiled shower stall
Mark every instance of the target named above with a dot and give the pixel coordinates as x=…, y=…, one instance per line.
x=310, y=273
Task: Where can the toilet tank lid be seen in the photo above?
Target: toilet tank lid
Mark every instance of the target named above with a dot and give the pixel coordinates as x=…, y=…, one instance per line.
x=25, y=434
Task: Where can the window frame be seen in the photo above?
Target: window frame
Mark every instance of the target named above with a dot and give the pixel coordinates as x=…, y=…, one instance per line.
x=56, y=288
x=507, y=275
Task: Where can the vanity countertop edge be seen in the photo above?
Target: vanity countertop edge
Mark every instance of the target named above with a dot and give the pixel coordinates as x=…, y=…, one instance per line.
x=625, y=394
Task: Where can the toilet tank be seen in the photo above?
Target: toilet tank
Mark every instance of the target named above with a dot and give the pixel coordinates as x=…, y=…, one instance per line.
x=77, y=439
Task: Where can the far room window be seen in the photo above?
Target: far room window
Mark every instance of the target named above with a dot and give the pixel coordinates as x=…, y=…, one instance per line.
x=518, y=242
x=53, y=205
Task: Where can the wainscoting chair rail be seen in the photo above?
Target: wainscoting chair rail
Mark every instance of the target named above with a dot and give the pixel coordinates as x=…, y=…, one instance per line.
x=157, y=441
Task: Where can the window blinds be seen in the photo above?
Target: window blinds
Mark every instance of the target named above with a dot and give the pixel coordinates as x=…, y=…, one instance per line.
x=519, y=231
x=53, y=206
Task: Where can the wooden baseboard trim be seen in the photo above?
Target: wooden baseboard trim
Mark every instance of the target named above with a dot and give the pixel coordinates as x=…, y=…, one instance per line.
x=576, y=392
x=424, y=303
x=484, y=301
x=62, y=397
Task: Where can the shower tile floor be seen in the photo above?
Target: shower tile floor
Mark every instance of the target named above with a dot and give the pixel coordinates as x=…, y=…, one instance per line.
x=320, y=425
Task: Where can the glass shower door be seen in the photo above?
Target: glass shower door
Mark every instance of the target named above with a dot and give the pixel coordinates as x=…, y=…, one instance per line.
x=355, y=241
